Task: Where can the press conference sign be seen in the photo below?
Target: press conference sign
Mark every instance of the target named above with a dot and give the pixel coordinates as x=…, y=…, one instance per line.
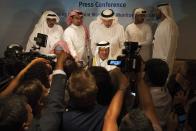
x=111, y=4
x=122, y=8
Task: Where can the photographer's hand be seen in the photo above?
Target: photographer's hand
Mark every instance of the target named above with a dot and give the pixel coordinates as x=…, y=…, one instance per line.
x=145, y=100
x=37, y=60
x=124, y=82
x=113, y=112
x=61, y=60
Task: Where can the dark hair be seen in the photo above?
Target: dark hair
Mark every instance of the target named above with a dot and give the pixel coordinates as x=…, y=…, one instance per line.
x=104, y=84
x=135, y=120
x=38, y=71
x=82, y=89
x=156, y=72
x=13, y=113
x=70, y=65
x=32, y=90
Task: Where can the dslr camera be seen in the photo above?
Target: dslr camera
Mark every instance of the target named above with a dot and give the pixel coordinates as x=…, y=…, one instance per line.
x=41, y=40
x=130, y=61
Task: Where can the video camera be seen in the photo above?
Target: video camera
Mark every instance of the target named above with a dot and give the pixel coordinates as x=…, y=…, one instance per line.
x=130, y=64
x=129, y=61
x=27, y=57
x=15, y=59
x=41, y=40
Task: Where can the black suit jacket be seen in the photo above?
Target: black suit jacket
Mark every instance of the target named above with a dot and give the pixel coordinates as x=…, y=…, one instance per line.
x=52, y=115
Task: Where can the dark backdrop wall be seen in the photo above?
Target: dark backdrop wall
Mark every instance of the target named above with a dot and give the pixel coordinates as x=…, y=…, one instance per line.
x=18, y=18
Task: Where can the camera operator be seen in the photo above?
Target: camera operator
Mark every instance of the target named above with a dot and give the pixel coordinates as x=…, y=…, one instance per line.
x=135, y=120
x=131, y=66
x=130, y=63
x=156, y=74
x=48, y=31
x=102, y=55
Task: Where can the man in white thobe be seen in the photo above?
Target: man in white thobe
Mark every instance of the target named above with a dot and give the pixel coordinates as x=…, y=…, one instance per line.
x=76, y=36
x=102, y=55
x=140, y=32
x=166, y=36
x=47, y=25
x=107, y=28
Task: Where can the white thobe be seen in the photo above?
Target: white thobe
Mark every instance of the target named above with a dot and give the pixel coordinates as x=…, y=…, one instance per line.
x=74, y=36
x=142, y=34
x=165, y=42
x=54, y=35
x=114, y=35
x=97, y=61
